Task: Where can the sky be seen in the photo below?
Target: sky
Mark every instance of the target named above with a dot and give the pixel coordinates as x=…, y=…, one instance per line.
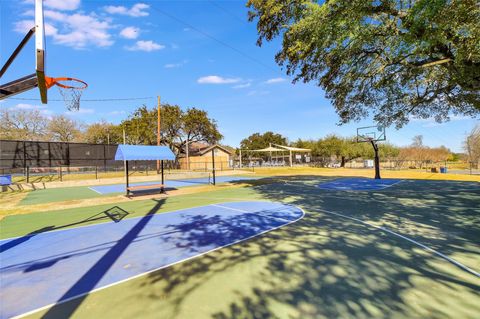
x=191, y=53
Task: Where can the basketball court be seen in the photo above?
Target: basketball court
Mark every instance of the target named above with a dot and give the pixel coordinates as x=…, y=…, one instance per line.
x=53, y=267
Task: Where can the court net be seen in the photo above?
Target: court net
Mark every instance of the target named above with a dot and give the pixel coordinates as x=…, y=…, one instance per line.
x=189, y=176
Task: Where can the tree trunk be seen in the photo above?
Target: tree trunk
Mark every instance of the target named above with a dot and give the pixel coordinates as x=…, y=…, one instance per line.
x=342, y=164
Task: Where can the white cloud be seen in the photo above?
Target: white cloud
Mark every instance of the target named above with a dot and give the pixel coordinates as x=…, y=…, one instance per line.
x=62, y=4
x=147, y=46
x=175, y=65
x=137, y=10
x=76, y=30
x=117, y=113
x=29, y=13
x=55, y=15
x=215, y=79
x=172, y=65
x=130, y=33
x=24, y=106
x=241, y=86
x=275, y=80
x=83, y=31
x=30, y=107
x=50, y=30
x=23, y=26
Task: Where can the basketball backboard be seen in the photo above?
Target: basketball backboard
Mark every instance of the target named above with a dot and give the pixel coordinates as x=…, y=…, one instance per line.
x=40, y=50
x=36, y=79
x=371, y=133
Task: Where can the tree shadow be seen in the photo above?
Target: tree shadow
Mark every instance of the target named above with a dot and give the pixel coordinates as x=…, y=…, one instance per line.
x=326, y=266
x=79, y=291
x=115, y=214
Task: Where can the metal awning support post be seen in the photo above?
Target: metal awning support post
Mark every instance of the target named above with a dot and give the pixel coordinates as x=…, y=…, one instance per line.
x=213, y=165
x=163, y=178
x=126, y=178
x=291, y=160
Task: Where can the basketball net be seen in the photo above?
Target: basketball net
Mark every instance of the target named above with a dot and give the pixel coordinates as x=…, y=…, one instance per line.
x=71, y=90
x=71, y=97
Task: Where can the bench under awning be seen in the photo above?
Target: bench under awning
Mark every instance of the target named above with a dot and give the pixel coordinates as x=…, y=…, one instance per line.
x=143, y=153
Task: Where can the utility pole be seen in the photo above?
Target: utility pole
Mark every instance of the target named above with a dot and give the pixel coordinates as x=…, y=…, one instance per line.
x=158, y=128
x=187, y=153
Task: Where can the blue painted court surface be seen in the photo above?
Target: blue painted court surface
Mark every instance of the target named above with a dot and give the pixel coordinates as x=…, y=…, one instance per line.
x=358, y=184
x=55, y=266
x=119, y=188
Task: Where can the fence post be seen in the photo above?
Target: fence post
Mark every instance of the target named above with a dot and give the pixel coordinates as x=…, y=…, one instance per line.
x=60, y=173
x=96, y=172
x=28, y=174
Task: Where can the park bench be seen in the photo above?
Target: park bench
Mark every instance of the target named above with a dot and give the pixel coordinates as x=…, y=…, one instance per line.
x=132, y=189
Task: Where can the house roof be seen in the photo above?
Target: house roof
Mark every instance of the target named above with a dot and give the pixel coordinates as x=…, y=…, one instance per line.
x=143, y=152
x=199, y=149
x=207, y=149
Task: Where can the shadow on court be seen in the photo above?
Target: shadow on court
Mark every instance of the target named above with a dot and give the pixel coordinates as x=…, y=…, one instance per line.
x=115, y=214
x=93, y=275
x=326, y=266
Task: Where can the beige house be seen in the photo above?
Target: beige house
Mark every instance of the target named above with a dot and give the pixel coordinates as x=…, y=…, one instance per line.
x=199, y=157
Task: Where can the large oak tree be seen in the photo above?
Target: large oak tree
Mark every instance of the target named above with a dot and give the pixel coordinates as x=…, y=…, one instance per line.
x=390, y=59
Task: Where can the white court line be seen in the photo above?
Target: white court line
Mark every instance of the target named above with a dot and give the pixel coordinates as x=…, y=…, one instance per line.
x=245, y=211
x=126, y=219
x=230, y=208
x=355, y=190
x=162, y=267
x=451, y=260
x=418, y=205
x=95, y=191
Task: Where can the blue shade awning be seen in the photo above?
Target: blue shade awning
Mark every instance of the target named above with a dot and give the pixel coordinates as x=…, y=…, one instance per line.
x=143, y=153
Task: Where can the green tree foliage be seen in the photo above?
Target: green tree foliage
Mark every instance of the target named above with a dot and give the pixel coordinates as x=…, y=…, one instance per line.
x=103, y=133
x=140, y=127
x=177, y=127
x=336, y=148
x=393, y=59
x=259, y=141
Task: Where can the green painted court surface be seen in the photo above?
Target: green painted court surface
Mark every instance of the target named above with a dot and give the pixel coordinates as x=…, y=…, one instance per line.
x=323, y=266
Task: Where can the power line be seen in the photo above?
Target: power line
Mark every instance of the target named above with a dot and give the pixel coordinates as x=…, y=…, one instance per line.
x=86, y=100
x=214, y=39
x=226, y=11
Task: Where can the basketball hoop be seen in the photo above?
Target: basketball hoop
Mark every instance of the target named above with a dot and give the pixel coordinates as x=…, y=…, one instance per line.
x=71, y=90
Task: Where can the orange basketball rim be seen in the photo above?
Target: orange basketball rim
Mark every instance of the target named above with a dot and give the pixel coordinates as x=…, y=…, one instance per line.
x=65, y=83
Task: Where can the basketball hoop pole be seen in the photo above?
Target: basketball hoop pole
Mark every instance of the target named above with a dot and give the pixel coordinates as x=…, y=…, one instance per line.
x=377, y=160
